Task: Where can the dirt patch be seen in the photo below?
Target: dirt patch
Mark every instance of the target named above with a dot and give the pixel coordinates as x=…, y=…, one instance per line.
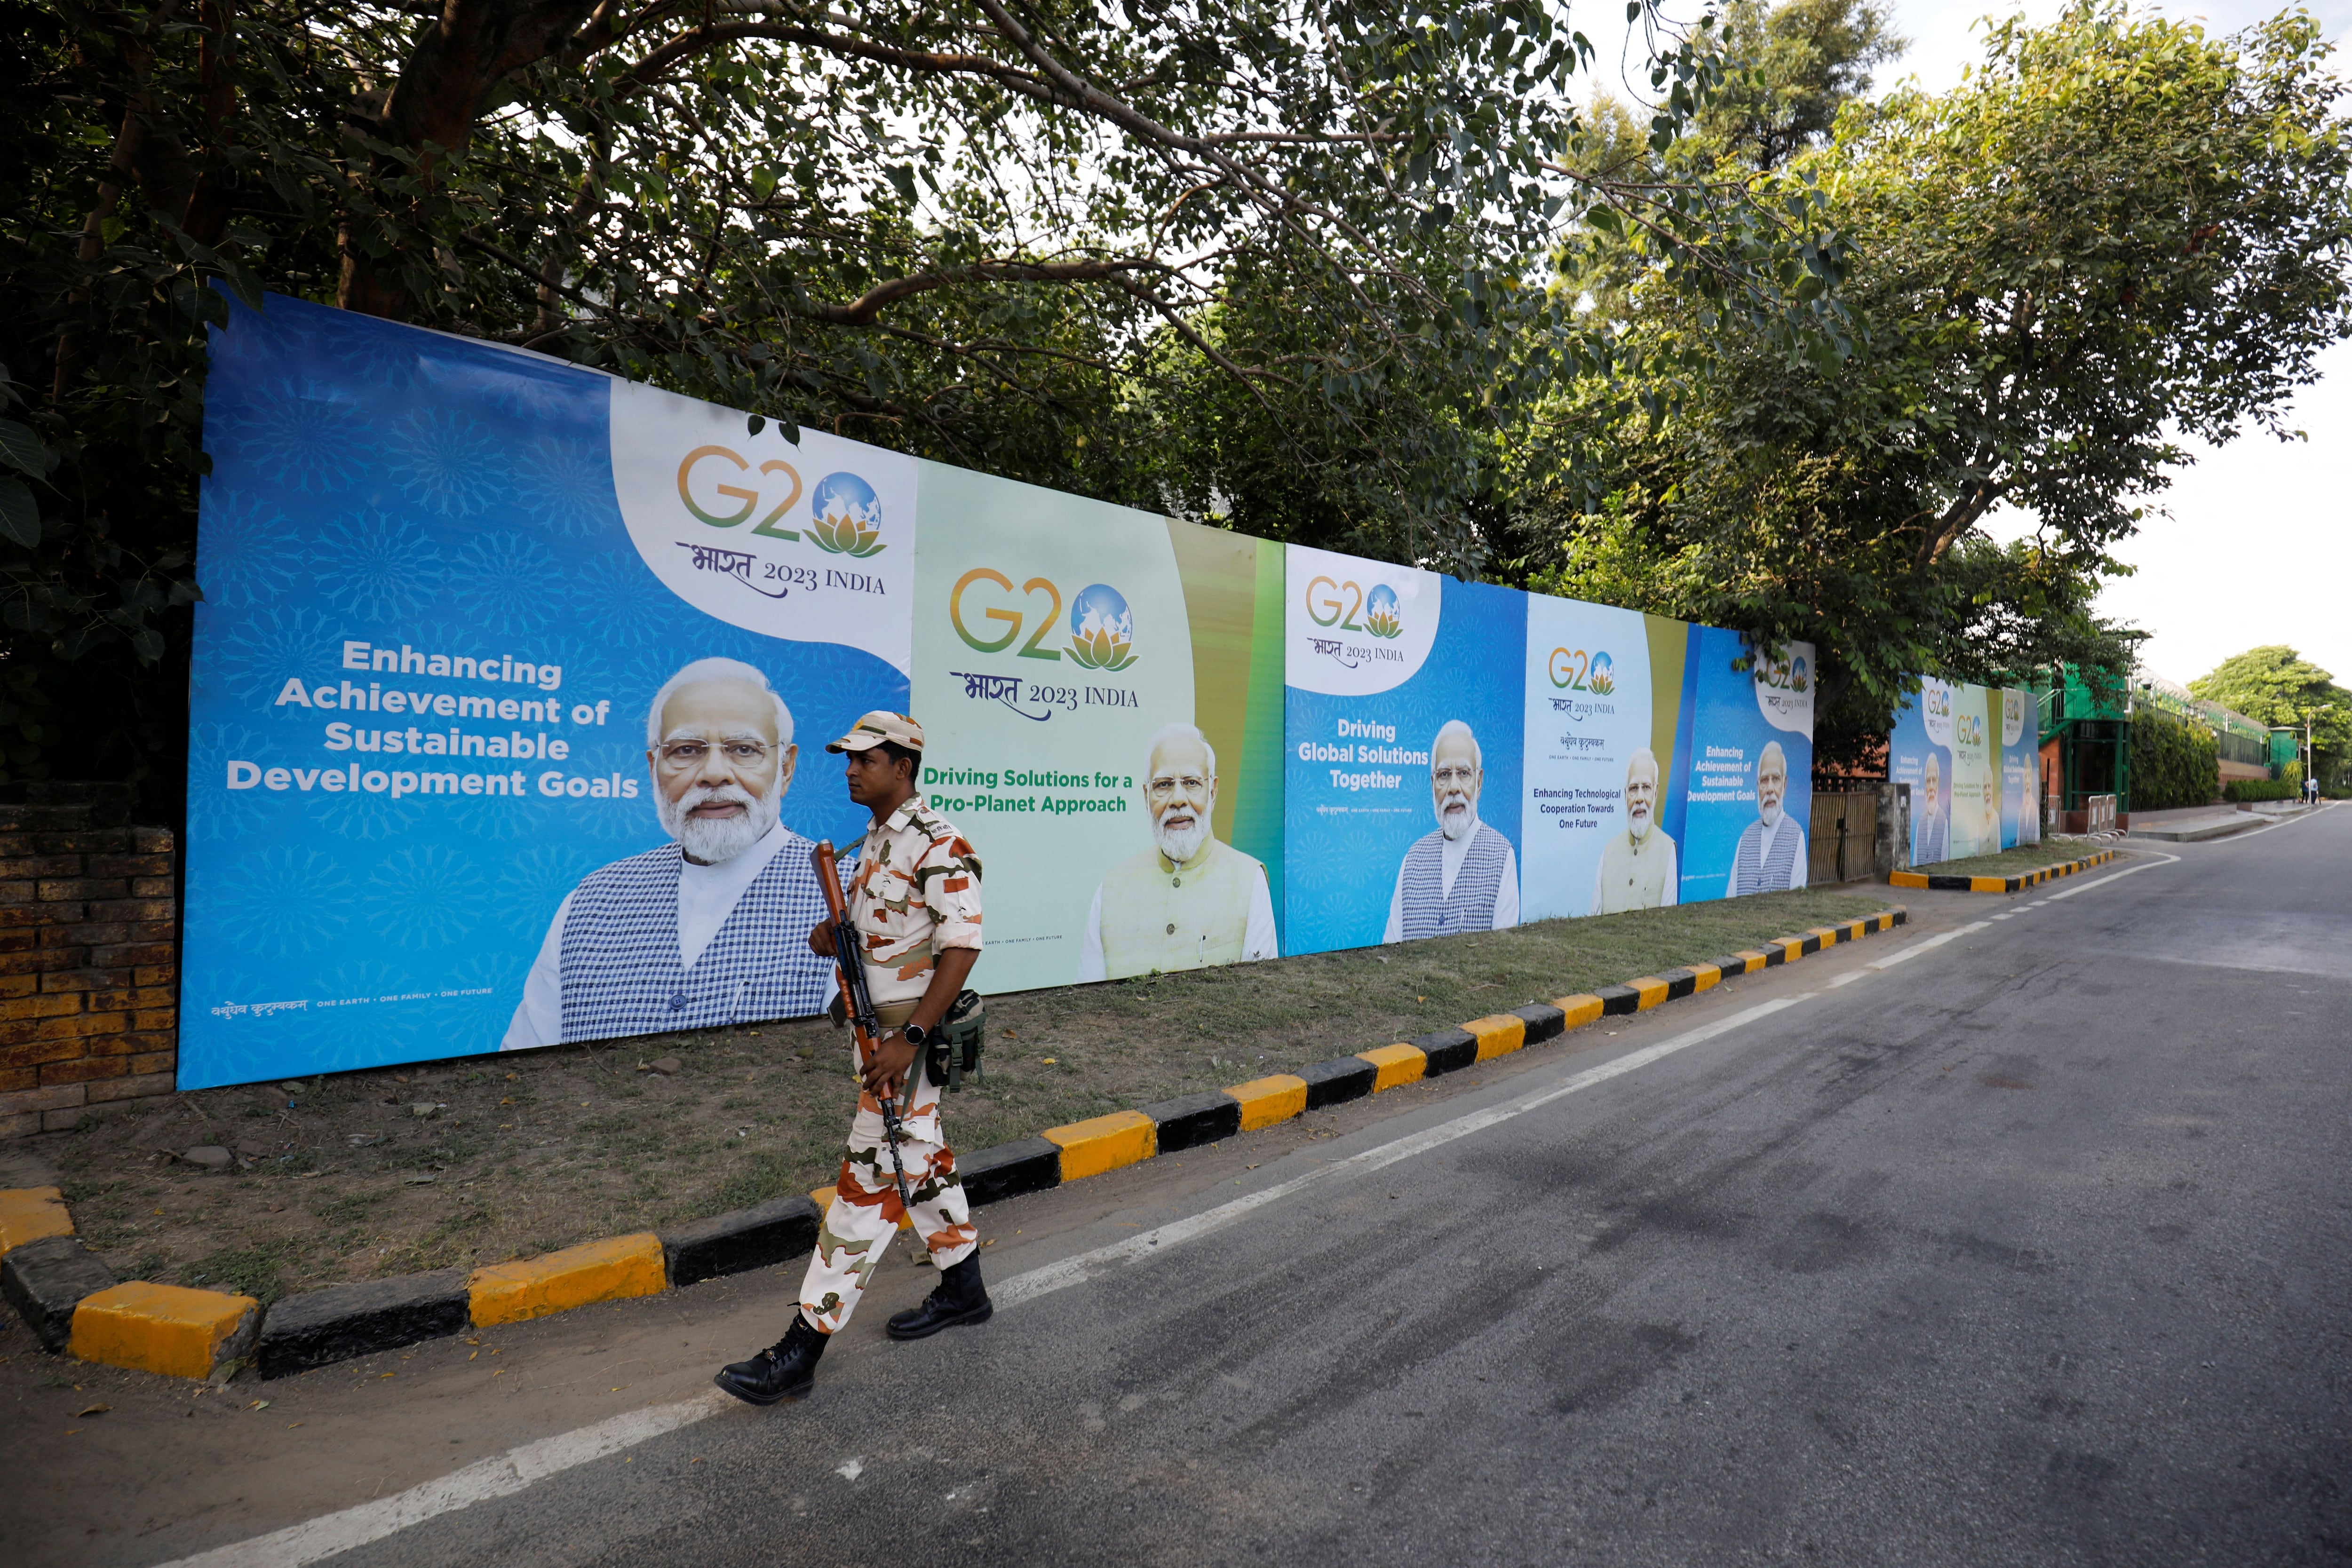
x=477, y=1161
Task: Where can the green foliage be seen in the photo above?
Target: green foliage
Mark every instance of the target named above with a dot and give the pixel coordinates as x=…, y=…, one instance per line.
x=2116, y=229
x=2173, y=763
x=1028, y=238
x=2281, y=788
x=1793, y=67
x=2276, y=685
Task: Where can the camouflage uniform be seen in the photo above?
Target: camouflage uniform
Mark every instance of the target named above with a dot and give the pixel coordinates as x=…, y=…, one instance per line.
x=916, y=891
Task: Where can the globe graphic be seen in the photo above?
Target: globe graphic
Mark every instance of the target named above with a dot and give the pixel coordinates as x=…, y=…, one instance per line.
x=845, y=495
x=1381, y=600
x=1604, y=668
x=1100, y=608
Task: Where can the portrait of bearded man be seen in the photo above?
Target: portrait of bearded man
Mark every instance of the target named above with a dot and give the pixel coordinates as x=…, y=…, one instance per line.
x=712, y=928
x=1770, y=855
x=1931, y=838
x=1189, y=901
x=1463, y=876
x=1638, y=867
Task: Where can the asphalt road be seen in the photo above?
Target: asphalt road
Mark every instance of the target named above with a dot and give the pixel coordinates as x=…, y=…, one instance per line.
x=2030, y=1244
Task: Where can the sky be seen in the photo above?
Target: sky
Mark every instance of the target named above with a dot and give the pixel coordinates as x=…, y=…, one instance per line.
x=2249, y=545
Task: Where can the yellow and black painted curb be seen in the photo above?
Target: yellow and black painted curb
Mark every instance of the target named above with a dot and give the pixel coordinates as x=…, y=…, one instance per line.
x=2017, y=883
x=75, y=1305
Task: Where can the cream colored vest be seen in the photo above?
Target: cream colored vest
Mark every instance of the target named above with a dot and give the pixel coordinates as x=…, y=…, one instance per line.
x=1631, y=877
x=1157, y=916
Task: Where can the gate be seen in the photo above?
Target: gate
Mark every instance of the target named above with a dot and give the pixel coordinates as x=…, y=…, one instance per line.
x=1843, y=842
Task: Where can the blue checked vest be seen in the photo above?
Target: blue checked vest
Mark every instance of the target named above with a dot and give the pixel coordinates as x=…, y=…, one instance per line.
x=620, y=968
x=1751, y=873
x=1427, y=911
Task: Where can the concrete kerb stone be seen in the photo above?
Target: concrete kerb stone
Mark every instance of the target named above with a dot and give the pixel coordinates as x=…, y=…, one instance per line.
x=31, y=1213
x=61, y=1288
x=45, y=1280
x=734, y=1243
x=344, y=1323
x=1447, y=1050
x=2018, y=884
x=1009, y=1170
x=609, y=1270
x=1191, y=1120
x=1337, y=1082
x=166, y=1329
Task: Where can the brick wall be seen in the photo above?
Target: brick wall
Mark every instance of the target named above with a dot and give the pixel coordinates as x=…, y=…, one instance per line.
x=89, y=955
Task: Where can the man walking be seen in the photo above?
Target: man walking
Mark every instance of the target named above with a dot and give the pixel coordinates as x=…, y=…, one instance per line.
x=914, y=898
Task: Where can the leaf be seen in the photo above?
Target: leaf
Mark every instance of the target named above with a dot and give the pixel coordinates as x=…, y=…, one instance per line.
x=20, y=519
x=22, y=450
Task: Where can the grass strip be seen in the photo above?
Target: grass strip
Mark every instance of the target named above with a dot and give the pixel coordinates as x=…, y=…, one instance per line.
x=341, y=1178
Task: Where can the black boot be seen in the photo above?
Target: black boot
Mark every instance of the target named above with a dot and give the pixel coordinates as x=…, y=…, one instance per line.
x=957, y=1297
x=784, y=1369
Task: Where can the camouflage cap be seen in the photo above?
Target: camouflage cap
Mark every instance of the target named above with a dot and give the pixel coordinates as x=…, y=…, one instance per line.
x=879, y=727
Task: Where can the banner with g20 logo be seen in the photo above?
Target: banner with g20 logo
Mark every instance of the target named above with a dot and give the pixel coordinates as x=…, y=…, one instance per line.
x=499, y=656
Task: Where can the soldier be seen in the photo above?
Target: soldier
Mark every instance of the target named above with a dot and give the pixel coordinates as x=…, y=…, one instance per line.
x=914, y=898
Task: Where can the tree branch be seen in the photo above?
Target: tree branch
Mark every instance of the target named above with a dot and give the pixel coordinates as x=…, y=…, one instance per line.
x=862, y=311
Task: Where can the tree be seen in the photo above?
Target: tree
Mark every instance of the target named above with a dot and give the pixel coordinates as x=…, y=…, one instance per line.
x=1796, y=64
x=974, y=229
x=2118, y=229
x=2277, y=686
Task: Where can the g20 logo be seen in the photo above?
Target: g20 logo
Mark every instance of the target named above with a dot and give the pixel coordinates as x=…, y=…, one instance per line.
x=1102, y=629
x=1970, y=728
x=1784, y=675
x=846, y=516
x=1574, y=670
x=1330, y=603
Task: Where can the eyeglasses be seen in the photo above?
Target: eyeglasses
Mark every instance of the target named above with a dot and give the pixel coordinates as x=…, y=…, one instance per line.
x=1456, y=778
x=1167, y=789
x=681, y=755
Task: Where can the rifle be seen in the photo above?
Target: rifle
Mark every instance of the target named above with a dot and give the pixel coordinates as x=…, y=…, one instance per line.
x=857, y=1001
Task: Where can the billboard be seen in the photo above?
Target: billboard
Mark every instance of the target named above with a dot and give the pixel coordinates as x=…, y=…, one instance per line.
x=1103, y=708
x=445, y=583
x=1402, y=720
x=512, y=679
x=1750, y=797
x=1604, y=692
x=1969, y=754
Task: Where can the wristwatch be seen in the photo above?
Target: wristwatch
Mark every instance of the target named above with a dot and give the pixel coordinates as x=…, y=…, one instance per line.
x=916, y=1034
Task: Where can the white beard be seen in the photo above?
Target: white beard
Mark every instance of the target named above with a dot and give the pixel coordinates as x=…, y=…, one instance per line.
x=1180, y=844
x=1639, y=826
x=1771, y=815
x=716, y=840
x=1452, y=824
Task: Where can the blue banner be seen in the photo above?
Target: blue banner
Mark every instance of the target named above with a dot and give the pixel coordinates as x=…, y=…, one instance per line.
x=444, y=580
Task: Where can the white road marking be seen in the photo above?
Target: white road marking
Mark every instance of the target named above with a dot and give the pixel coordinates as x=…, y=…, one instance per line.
x=1925, y=944
x=314, y=1539
x=479, y=1482
x=2155, y=858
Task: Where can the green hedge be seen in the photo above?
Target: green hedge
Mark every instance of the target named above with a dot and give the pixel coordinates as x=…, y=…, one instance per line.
x=2172, y=763
x=2263, y=790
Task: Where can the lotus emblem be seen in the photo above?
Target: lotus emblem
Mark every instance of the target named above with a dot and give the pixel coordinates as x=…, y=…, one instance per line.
x=848, y=516
x=1101, y=630
x=1381, y=616
x=1603, y=680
